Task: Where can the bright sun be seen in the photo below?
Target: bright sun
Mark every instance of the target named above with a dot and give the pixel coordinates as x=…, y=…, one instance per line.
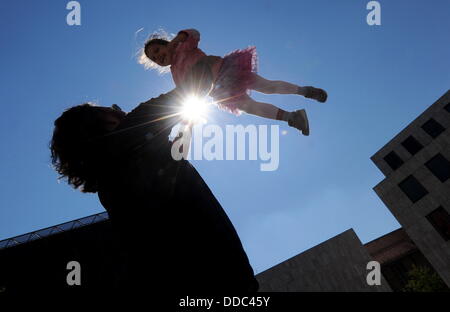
x=194, y=109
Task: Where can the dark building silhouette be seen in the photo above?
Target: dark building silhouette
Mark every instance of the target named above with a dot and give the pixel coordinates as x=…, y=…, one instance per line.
x=38, y=261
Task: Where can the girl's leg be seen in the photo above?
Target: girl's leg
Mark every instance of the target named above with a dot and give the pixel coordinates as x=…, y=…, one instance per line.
x=265, y=110
x=266, y=86
x=297, y=119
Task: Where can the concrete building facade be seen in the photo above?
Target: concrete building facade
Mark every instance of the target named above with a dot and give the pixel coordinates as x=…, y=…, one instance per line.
x=417, y=192
x=397, y=255
x=338, y=264
x=416, y=188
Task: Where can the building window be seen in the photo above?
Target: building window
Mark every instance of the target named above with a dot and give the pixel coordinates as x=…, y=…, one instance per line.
x=447, y=107
x=412, y=145
x=440, y=167
x=440, y=220
x=413, y=189
x=433, y=128
x=393, y=160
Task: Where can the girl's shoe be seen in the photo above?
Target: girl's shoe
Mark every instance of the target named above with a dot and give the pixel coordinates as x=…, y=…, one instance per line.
x=299, y=120
x=315, y=93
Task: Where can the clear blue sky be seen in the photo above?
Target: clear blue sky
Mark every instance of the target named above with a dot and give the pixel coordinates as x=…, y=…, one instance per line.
x=378, y=79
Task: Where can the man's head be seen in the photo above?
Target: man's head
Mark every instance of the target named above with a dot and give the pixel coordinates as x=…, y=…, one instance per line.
x=73, y=144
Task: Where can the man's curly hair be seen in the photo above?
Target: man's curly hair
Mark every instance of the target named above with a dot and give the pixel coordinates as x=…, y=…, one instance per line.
x=73, y=149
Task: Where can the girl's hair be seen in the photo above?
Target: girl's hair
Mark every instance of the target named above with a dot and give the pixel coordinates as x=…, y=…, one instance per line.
x=158, y=37
x=73, y=151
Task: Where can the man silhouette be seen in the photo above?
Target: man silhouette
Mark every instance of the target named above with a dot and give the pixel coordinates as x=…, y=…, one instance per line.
x=176, y=235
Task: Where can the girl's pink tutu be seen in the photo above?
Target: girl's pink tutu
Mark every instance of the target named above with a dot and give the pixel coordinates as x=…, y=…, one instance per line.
x=235, y=77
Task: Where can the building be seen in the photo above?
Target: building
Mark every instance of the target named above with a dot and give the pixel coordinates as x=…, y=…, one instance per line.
x=397, y=255
x=338, y=264
x=417, y=192
x=417, y=186
x=37, y=261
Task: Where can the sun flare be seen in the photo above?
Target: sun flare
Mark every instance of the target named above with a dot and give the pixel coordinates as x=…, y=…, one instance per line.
x=194, y=109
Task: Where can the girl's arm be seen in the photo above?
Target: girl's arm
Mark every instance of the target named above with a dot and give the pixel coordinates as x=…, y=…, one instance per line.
x=189, y=37
x=182, y=36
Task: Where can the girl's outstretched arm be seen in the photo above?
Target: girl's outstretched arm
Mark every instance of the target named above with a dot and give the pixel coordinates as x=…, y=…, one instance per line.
x=181, y=37
x=188, y=37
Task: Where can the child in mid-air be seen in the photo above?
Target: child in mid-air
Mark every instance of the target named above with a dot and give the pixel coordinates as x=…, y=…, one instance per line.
x=233, y=75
